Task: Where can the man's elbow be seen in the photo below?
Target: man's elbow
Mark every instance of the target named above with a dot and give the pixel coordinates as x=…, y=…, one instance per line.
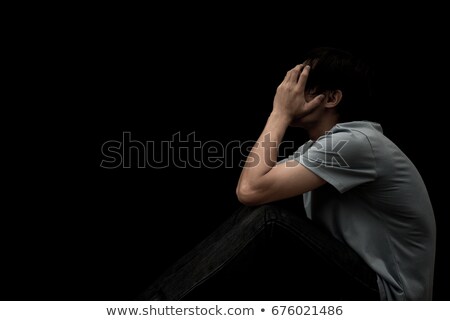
x=249, y=196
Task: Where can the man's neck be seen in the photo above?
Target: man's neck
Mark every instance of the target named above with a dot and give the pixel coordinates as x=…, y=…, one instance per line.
x=322, y=127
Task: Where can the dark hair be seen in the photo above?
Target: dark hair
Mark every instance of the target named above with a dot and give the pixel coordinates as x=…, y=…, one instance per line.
x=336, y=69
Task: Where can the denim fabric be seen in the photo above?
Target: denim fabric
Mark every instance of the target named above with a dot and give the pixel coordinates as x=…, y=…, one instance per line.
x=231, y=248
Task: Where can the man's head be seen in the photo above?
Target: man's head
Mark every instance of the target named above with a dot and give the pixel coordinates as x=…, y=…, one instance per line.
x=343, y=79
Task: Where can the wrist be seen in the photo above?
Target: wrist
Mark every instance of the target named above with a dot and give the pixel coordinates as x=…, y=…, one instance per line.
x=280, y=117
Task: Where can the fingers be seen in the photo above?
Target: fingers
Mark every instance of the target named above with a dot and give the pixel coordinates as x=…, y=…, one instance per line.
x=293, y=74
x=303, y=78
x=312, y=104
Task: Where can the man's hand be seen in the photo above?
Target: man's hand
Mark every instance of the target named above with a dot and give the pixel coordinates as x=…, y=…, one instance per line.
x=290, y=98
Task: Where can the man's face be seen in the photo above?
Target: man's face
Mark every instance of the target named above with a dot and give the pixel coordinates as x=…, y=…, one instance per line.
x=311, y=117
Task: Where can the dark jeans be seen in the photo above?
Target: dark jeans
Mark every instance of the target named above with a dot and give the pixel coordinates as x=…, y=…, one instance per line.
x=267, y=253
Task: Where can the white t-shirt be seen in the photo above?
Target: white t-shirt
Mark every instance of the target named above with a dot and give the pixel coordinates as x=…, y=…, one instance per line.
x=377, y=203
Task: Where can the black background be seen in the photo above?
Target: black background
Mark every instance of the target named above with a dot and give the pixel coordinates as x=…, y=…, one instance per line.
x=81, y=232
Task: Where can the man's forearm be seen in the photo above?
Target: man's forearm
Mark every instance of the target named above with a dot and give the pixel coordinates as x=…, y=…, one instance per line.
x=263, y=156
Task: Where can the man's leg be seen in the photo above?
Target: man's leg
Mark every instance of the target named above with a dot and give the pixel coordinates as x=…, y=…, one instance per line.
x=232, y=247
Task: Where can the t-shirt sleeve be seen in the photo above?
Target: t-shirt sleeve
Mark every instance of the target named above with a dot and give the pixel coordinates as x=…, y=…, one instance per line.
x=343, y=159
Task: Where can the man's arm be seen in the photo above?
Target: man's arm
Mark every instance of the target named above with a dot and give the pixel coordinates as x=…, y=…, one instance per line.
x=262, y=180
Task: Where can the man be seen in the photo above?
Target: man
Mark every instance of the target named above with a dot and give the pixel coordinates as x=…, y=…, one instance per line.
x=357, y=186
x=355, y=181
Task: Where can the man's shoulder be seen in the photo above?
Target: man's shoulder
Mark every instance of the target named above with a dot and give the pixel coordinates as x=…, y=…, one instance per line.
x=366, y=128
x=355, y=134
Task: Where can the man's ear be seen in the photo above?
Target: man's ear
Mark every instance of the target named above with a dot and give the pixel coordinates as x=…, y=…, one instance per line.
x=332, y=98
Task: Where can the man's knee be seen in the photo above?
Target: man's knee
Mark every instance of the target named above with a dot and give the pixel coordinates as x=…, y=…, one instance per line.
x=270, y=214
